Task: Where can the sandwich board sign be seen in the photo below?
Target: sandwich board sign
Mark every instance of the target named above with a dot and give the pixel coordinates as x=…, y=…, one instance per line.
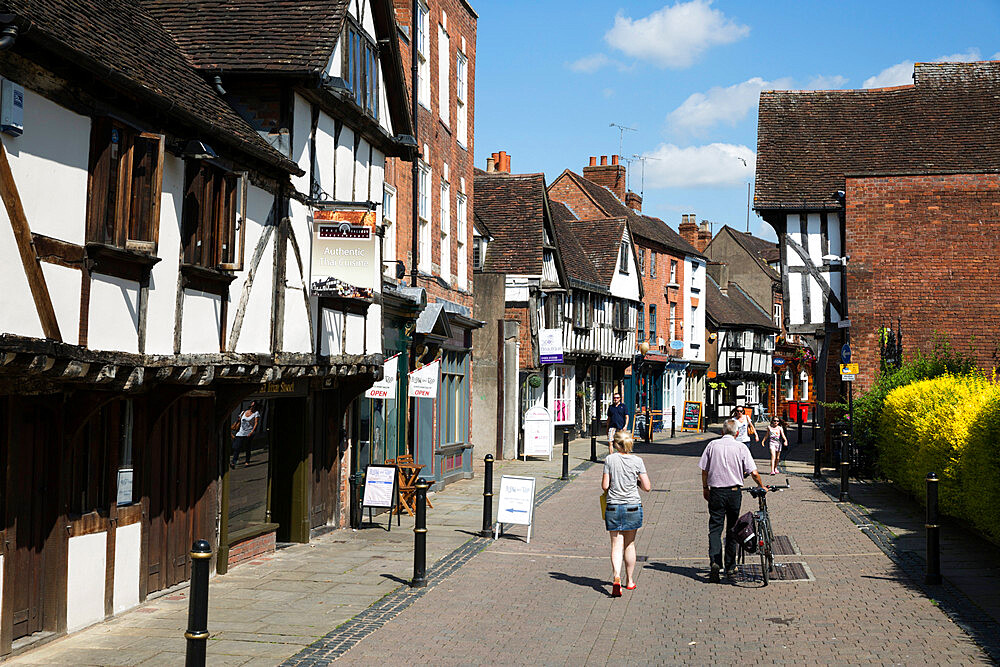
x=381, y=489
x=539, y=433
x=691, y=419
x=517, y=503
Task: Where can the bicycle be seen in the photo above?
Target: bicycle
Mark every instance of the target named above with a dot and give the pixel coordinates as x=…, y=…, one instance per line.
x=762, y=529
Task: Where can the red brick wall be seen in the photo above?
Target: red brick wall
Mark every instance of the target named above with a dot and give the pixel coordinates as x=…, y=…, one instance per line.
x=924, y=249
x=565, y=191
x=442, y=147
x=251, y=548
x=525, y=360
x=655, y=292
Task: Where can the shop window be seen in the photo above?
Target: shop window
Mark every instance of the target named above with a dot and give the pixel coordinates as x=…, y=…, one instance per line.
x=213, y=217
x=607, y=389
x=126, y=468
x=126, y=178
x=107, y=432
x=453, y=405
x=361, y=68
x=562, y=390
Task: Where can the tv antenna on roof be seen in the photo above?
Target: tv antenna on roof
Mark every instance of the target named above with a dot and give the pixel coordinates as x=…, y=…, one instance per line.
x=621, y=134
x=642, y=159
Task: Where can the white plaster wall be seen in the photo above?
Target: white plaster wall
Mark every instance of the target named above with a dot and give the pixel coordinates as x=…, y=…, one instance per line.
x=354, y=341
x=344, y=178
x=127, y=548
x=17, y=308
x=373, y=345
x=49, y=162
x=255, y=334
x=694, y=288
x=163, y=278
x=296, y=336
x=202, y=322
x=325, y=147
x=64, y=289
x=87, y=568
x=362, y=186
x=626, y=286
x=301, y=127
x=332, y=340
x=114, y=314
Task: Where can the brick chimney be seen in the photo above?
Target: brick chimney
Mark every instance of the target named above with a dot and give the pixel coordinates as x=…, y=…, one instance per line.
x=688, y=229
x=611, y=176
x=704, y=236
x=633, y=201
x=501, y=162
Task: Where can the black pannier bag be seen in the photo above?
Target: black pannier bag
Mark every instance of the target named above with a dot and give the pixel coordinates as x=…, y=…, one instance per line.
x=744, y=534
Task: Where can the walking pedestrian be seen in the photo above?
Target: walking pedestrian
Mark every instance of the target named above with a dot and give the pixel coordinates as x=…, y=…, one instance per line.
x=618, y=418
x=724, y=464
x=775, y=436
x=746, y=431
x=243, y=430
x=624, y=475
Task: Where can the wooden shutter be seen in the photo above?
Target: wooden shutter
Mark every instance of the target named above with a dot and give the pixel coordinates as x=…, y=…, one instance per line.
x=98, y=182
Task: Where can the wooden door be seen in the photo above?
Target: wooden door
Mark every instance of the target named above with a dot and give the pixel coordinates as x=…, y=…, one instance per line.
x=181, y=461
x=27, y=432
x=327, y=413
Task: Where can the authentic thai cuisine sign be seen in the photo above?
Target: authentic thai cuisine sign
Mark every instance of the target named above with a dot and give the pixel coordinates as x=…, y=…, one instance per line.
x=345, y=257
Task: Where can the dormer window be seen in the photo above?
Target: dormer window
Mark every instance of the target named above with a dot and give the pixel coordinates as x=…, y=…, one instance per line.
x=361, y=68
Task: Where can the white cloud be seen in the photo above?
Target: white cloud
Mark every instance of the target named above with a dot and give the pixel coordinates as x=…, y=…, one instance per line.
x=591, y=63
x=901, y=74
x=721, y=105
x=716, y=164
x=823, y=82
x=608, y=93
x=674, y=36
x=995, y=56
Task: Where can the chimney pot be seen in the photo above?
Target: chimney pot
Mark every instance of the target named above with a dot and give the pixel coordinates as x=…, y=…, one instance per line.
x=604, y=160
x=593, y=161
x=614, y=159
x=491, y=165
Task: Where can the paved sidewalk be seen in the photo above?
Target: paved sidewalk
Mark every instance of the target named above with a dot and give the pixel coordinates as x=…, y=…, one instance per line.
x=268, y=609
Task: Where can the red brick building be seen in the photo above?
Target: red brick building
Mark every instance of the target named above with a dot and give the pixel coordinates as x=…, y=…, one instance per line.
x=892, y=198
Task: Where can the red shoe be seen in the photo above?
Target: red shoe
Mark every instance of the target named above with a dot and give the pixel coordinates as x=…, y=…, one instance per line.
x=631, y=588
x=616, y=588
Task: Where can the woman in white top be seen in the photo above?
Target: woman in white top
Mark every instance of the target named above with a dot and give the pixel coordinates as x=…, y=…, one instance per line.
x=775, y=437
x=624, y=475
x=243, y=430
x=745, y=430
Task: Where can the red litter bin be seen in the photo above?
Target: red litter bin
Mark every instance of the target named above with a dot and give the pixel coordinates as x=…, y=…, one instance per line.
x=793, y=411
x=804, y=410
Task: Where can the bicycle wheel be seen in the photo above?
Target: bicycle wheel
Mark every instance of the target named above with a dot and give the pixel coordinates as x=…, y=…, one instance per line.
x=764, y=550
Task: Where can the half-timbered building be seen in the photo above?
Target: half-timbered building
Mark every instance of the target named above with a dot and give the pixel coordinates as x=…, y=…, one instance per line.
x=157, y=275
x=885, y=203
x=741, y=339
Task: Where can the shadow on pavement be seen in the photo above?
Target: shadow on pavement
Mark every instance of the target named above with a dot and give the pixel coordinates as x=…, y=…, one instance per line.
x=598, y=585
x=696, y=573
x=392, y=577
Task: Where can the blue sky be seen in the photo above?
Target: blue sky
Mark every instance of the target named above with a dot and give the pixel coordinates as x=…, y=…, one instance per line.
x=553, y=75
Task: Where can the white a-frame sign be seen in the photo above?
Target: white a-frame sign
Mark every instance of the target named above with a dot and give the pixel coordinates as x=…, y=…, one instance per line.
x=517, y=503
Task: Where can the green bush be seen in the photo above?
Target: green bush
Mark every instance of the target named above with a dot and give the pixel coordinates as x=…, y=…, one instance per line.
x=980, y=470
x=947, y=425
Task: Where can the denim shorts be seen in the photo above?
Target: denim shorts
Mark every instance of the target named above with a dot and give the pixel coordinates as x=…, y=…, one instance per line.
x=623, y=517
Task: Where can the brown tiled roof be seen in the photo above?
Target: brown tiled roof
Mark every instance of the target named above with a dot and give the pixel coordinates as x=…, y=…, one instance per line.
x=254, y=35
x=578, y=265
x=734, y=309
x=513, y=209
x=762, y=251
x=124, y=46
x=807, y=141
x=642, y=226
x=601, y=242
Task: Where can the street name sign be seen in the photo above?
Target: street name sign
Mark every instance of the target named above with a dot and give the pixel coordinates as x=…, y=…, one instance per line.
x=517, y=503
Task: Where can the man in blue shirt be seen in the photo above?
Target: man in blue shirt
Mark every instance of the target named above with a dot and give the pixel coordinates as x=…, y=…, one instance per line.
x=618, y=418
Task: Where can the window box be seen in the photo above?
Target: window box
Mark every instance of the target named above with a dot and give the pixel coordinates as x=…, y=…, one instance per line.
x=120, y=263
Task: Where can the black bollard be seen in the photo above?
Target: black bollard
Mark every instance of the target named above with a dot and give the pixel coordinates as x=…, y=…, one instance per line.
x=845, y=466
x=197, y=630
x=565, y=471
x=817, y=460
x=933, y=575
x=673, y=420
x=420, y=536
x=488, y=497
x=355, y=509
x=815, y=426
x=593, y=440
x=798, y=418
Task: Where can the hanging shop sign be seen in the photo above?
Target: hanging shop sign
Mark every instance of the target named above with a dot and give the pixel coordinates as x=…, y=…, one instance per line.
x=345, y=254
x=779, y=361
x=424, y=381
x=550, y=346
x=386, y=387
x=517, y=503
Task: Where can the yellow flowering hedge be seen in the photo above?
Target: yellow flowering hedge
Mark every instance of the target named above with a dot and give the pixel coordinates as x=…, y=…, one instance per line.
x=948, y=425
